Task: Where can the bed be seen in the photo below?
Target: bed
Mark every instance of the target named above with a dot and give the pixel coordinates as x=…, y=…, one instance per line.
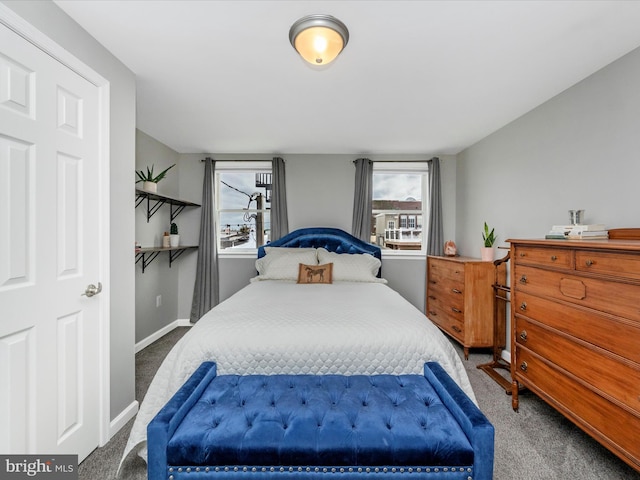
x=346, y=322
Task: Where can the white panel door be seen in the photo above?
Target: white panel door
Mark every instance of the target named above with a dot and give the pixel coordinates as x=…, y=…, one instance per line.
x=49, y=227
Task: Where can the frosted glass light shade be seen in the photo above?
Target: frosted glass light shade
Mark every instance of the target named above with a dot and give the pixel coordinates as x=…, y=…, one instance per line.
x=319, y=39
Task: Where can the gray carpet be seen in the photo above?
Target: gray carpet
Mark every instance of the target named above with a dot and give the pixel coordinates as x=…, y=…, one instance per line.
x=537, y=443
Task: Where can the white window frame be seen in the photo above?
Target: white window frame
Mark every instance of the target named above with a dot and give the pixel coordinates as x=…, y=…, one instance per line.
x=403, y=167
x=236, y=167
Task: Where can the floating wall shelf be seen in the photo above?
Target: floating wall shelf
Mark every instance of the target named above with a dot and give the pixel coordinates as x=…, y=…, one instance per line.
x=149, y=254
x=155, y=201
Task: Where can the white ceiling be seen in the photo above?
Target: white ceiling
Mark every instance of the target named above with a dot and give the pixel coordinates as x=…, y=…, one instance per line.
x=429, y=77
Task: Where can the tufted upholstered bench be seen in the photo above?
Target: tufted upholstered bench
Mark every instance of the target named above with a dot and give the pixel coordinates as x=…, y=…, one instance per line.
x=320, y=426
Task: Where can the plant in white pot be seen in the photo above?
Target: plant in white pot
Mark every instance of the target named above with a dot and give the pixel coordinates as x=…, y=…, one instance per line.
x=489, y=238
x=150, y=181
x=174, y=238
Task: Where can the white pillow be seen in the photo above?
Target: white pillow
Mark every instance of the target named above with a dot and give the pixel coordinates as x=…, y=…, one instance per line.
x=283, y=263
x=352, y=267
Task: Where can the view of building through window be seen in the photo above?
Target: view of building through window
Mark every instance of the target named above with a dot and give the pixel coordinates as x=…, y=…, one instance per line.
x=243, y=202
x=397, y=205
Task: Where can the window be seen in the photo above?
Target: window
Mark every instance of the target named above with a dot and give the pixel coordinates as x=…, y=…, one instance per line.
x=399, y=205
x=243, y=203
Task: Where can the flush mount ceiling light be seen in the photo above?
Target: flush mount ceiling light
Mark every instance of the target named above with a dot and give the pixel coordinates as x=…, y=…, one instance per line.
x=319, y=39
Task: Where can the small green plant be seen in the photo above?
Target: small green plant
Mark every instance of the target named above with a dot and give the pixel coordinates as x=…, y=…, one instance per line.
x=489, y=237
x=149, y=176
x=174, y=229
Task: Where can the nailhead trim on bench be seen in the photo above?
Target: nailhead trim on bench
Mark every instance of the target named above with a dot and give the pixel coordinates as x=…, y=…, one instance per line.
x=320, y=469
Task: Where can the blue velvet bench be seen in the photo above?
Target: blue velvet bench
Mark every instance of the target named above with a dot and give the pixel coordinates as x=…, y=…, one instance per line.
x=259, y=427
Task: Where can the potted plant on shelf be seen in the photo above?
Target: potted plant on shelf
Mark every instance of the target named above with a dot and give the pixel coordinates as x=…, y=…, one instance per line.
x=489, y=238
x=173, y=234
x=150, y=181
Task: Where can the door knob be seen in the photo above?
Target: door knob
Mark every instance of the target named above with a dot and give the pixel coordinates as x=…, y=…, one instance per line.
x=92, y=290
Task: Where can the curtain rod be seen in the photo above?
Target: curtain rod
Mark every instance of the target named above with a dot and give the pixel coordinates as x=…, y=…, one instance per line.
x=397, y=161
x=239, y=160
x=381, y=161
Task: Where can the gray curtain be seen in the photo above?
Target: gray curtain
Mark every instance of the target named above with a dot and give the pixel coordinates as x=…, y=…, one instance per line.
x=279, y=216
x=206, y=292
x=361, y=223
x=435, y=238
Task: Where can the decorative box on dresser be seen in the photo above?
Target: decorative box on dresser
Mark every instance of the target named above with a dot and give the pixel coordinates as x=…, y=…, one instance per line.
x=460, y=299
x=575, y=323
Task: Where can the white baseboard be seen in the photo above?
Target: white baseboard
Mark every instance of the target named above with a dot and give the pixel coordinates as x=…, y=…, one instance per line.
x=181, y=322
x=131, y=411
x=122, y=419
x=506, y=356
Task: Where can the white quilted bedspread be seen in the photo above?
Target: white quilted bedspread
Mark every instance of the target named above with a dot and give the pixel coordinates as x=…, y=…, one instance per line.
x=279, y=327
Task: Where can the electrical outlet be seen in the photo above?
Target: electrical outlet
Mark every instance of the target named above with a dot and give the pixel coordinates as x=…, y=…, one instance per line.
x=158, y=301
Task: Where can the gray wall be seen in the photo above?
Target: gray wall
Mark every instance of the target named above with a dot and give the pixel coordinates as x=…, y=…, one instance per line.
x=319, y=193
x=577, y=151
x=49, y=19
x=158, y=279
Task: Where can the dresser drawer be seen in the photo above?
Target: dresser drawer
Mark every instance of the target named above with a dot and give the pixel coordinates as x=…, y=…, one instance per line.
x=545, y=256
x=610, y=424
x=451, y=323
x=439, y=310
x=452, y=304
x=439, y=269
x=612, y=297
x=614, y=334
x=620, y=265
x=447, y=288
x=446, y=285
x=605, y=372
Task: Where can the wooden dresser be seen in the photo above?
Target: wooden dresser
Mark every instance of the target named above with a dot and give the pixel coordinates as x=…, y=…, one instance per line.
x=460, y=299
x=575, y=323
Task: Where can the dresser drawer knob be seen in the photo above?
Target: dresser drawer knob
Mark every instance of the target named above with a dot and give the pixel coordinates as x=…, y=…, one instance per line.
x=523, y=306
x=432, y=313
x=523, y=335
x=456, y=310
x=455, y=290
x=522, y=254
x=588, y=263
x=553, y=258
x=456, y=329
x=523, y=279
x=524, y=366
x=431, y=297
